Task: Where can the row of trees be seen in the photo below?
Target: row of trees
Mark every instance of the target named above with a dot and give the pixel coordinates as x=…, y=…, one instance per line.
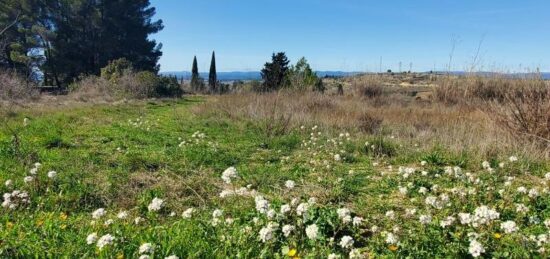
x=61, y=40
x=197, y=82
x=277, y=74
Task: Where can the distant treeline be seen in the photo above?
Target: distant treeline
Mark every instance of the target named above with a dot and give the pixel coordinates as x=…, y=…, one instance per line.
x=63, y=40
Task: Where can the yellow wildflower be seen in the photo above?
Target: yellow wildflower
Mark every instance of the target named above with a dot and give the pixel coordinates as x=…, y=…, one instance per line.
x=292, y=252
x=497, y=235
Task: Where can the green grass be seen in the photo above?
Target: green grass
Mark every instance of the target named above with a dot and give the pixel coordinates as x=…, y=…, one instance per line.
x=120, y=157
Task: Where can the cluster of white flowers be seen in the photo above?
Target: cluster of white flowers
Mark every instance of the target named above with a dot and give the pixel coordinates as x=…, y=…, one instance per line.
x=146, y=248
x=287, y=229
x=312, y=231
x=15, y=199
x=346, y=242
x=188, y=213
x=262, y=205
x=228, y=174
x=344, y=215
x=289, y=184
x=156, y=204
x=509, y=226
x=476, y=248
x=97, y=214
x=267, y=232
x=103, y=241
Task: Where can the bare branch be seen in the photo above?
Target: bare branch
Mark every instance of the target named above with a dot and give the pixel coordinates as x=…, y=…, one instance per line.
x=11, y=24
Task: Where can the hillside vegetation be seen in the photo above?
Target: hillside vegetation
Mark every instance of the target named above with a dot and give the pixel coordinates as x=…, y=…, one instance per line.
x=271, y=175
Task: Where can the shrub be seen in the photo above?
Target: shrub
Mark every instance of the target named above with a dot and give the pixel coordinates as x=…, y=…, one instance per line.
x=370, y=86
x=116, y=69
x=13, y=87
x=524, y=110
x=369, y=124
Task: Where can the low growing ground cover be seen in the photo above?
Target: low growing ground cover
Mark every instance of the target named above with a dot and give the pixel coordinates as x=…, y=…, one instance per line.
x=154, y=179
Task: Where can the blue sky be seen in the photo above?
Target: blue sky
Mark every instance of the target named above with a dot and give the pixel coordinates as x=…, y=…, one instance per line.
x=352, y=35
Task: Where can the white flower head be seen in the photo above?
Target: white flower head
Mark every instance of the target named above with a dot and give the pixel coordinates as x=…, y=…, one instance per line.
x=229, y=173
x=52, y=174
x=346, y=242
x=105, y=240
x=122, y=215
x=287, y=229
x=476, y=248
x=509, y=226
x=146, y=248
x=98, y=213
x=188, y=213
x=155, y=205
x=312, y=231
x=289, y=184
x=91, y=238
x=28, y=179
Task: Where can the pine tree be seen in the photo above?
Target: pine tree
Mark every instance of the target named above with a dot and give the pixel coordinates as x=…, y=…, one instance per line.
x=274, y=72
x=212, y=76
x=196, y=80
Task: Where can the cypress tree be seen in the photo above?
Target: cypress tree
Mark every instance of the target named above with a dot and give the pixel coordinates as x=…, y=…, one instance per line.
x=196, y=80
x=212, y=76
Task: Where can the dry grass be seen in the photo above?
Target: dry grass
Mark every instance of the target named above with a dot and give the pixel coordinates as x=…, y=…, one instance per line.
x=14, y=88
x=458, y=128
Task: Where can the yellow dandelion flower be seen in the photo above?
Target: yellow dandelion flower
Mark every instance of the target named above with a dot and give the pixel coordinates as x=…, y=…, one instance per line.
x=292, y=252
x=497, y=235
x=63, y=216
x=63, y=226
x=392, y=248
x=120, y=256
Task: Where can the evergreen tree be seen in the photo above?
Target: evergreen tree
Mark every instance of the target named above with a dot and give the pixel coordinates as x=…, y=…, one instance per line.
x=274, y=72
x=196, y=80
x=212, y=76
x=69, y=38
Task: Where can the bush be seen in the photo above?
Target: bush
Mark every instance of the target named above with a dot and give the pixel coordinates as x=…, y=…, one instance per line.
x=13, y=87
x=116, y=69
x=369, y=124
x=524, y=110
x=131, y=85
x=370, y=87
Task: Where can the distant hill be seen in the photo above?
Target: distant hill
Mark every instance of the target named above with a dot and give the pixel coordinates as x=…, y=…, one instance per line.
x=251, y=75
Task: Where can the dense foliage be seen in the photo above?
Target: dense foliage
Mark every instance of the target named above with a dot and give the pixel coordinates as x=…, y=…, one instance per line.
x=274, y=72
x=67, y=39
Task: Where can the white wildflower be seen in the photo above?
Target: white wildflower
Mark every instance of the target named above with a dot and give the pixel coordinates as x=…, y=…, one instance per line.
x=105, y=240
x=287, y=229
x=229, y=173
x=188, y=213
x=91, y=238
x=98, y=213
x=475, y=248
x=155, y=205
x=509, y=226
x=146, y=248
x=312, y=231
x=52, y=174
x=122, y=215
x=346, y=242
x=290, y=184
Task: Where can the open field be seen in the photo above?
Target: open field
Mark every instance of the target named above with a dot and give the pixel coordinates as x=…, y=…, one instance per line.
x=314, y=176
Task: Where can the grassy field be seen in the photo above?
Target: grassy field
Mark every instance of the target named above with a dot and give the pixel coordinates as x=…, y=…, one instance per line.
x=190, y=178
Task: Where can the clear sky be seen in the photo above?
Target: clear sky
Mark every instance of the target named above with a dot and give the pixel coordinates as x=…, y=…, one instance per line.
x=353, y=35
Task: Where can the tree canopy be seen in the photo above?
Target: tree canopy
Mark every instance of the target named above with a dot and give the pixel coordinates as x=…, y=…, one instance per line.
x=64, y=39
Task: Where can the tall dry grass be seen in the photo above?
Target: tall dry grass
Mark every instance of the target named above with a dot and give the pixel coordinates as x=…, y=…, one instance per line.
x=15, y=88
x=458, y=128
